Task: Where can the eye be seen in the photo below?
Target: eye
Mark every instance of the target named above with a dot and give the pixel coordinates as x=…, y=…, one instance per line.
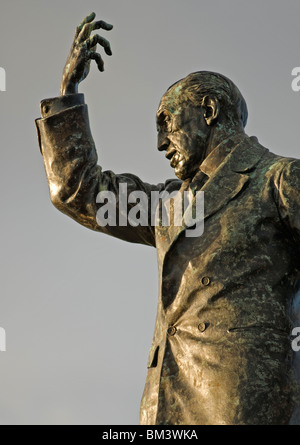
x=163, y=121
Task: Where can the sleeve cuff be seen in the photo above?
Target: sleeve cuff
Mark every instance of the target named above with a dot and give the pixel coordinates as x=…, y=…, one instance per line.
x=56, y=104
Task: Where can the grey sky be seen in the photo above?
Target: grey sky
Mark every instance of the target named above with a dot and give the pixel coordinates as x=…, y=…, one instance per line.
x=79, y=307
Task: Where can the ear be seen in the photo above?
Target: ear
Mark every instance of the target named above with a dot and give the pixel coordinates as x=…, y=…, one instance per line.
x=211, y=108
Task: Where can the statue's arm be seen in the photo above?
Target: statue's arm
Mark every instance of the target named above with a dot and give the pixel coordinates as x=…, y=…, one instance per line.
x=75, y=179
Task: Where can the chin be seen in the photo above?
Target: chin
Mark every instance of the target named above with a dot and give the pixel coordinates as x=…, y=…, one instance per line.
x=182, y=174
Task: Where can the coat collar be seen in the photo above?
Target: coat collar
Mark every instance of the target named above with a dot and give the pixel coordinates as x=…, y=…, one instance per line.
x=242, y=153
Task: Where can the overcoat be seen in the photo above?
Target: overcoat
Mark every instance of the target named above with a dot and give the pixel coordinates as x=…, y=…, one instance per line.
x=221, y=351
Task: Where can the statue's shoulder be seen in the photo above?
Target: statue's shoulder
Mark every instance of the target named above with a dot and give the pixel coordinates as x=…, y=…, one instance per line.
x=272, y=159
x=279, y=170
x=281, y=162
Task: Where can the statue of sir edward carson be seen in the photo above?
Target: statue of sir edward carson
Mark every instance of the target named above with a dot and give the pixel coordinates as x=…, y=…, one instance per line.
x=221, y=351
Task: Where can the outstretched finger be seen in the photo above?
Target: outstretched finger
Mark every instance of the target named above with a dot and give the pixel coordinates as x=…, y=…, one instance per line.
x=87, y=28
x=98, y=60
x=103, y=25
x=88, y=19
x=92, y=41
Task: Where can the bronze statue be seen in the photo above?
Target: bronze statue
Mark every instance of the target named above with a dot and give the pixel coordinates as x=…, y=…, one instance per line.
x=221, y=351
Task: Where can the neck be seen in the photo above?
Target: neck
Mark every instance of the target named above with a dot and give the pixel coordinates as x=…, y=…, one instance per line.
x=220, y=133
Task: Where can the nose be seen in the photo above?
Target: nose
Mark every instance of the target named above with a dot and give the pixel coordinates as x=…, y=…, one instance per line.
x=162, y=141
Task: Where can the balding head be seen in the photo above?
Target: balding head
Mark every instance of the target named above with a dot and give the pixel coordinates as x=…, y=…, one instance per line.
x=196, y=86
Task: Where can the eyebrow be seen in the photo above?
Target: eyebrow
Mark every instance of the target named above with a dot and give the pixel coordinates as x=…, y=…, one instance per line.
x=162, y=113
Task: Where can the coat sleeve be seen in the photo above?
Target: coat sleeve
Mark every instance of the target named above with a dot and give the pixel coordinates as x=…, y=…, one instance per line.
x=75, y=179
x=289, y=197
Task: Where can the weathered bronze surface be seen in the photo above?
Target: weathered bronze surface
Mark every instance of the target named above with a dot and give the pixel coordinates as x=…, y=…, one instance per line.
x=221, y=351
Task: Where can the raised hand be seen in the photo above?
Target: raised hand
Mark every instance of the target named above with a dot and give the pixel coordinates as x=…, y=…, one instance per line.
x=83, y=50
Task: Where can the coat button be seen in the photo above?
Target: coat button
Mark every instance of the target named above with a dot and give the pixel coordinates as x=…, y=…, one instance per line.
x=202, y=326
x=205, y=281
x=172, y=330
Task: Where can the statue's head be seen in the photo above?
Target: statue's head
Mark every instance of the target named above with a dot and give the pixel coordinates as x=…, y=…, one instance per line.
x=191, y=111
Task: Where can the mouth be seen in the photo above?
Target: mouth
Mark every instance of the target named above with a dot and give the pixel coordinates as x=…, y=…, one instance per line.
x=174, y=157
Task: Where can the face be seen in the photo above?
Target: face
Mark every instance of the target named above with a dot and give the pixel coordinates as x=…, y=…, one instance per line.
x=182, y=133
